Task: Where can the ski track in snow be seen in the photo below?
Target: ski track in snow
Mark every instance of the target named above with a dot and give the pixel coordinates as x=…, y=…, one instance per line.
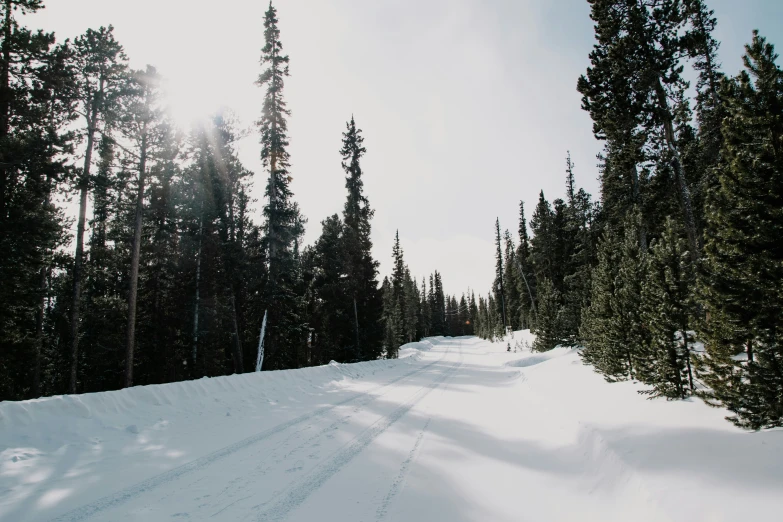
x=241, y=484
x=301, y=490
x=146, y=486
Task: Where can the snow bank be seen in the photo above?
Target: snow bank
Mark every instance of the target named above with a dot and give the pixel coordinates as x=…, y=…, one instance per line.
x=538, y=358
x=415, y=348
x=62, y=413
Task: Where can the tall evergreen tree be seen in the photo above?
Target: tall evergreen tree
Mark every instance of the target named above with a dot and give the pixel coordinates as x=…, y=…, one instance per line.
x=332, y=321
x=425, y=316
x=498, y=286
x=743, y=266
x=284, y=225
x=542, y=245
x=511, y=277
x=102, y=64
x=635, y=73
x=667, y=311
x=526, y=278
x=547, y=328
x=392, y=320
x=410, y=304
x=439, y=308
x=612, y=329
x=143, y=125
x=36, y=111
x=361, y=268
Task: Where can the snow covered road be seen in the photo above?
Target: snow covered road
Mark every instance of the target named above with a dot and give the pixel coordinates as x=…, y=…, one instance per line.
x=461, y=431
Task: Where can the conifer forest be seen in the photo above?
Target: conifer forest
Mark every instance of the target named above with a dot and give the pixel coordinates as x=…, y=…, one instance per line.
x=132, y=251
x=673, y=276
x=169, y=272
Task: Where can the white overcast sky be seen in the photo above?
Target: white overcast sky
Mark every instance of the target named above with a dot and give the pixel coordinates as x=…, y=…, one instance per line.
x=467, y=106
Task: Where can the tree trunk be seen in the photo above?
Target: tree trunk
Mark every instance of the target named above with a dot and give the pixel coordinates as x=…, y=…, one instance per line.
x=238, y=366
x=637, y=203
x=685, y=195
x=688, y=366
x=198, y=291
x=356, y=321
x=134, y=271
x=78, y=261
x=39, y=338
x=5, y=105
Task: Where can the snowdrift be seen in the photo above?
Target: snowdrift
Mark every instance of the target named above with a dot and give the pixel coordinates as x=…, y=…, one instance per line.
x=49, y=422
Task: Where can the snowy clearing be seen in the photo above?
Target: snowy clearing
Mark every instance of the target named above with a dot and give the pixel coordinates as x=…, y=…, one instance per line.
x=459, y=430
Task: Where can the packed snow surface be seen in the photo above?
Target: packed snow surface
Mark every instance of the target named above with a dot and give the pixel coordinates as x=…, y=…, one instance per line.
x=460, y=430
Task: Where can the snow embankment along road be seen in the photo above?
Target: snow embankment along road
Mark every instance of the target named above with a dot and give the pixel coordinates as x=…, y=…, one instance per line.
x=460, y=430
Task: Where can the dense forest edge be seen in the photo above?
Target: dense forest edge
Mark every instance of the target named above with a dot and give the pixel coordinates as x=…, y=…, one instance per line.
x=673, y=278
x=169, y=275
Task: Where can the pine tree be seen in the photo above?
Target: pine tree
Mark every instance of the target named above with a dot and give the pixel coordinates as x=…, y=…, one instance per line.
x=635, y=72
x=743, y=266
x=512, y=281
x=474, y=326
x=284, y=225
x=99, y=86
x=667, y=311
x=425, y=316
x=361, y=268
x=440, y=306
x=392, y=320
x=36, y=111
x=703, y=48
x=612, y=329
x=547, y=329
x=498, y=286
x=578, y=256
x=332, y=320
x=464, y=316
x=142, y=124
x=410, y=303
x=526, y=278
x=542, y=245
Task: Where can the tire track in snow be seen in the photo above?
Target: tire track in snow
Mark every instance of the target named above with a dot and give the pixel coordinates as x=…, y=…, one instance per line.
x=89, y=510
x=301, y=490
x=399, y=480
x=273, y=454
